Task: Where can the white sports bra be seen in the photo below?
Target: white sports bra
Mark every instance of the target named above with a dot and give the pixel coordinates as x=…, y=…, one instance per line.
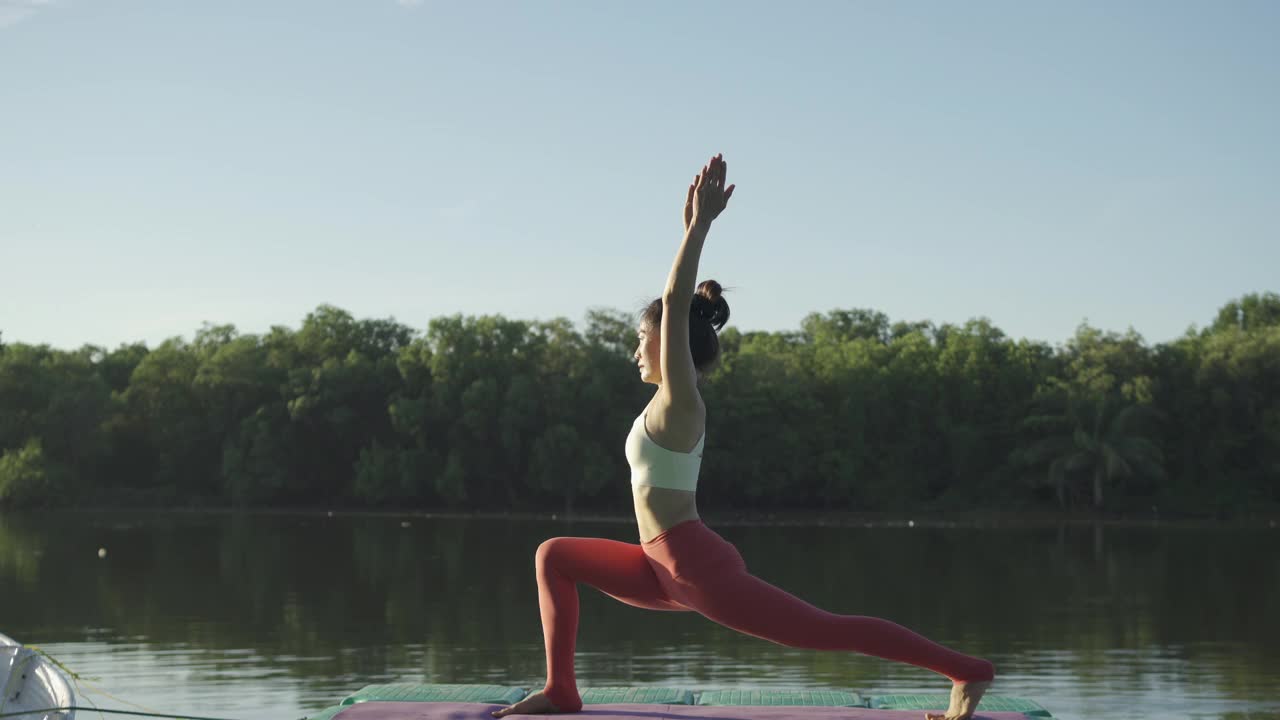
x=652, y=464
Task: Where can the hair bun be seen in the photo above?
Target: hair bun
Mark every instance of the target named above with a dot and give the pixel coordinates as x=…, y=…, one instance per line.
x=709, y=305
x=711, y=290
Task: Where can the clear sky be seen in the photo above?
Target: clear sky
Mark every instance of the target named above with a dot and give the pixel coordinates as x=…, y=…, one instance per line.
x=168, y=163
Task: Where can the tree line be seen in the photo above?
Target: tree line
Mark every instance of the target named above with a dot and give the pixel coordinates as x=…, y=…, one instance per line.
x=850, y=412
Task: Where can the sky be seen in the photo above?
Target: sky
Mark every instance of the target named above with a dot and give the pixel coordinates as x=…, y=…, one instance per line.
x=166, y=164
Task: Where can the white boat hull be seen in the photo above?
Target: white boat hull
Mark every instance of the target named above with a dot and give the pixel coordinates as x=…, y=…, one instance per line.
x=30, y=682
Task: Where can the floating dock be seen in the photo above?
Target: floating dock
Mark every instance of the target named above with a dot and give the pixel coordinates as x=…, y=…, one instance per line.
x=406, y=701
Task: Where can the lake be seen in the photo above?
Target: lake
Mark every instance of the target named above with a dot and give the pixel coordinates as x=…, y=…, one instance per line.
x=278, y=615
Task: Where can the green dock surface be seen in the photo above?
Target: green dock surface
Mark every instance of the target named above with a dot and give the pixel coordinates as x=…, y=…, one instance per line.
x=771, y=698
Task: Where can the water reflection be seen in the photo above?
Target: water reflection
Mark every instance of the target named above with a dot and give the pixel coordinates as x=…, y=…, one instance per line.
x=274, y=616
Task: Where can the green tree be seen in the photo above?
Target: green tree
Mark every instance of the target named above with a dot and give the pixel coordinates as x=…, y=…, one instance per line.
x=984, y=381
x=1251, y=312
x=561, y=467
x=184, y=454
x=24, y=478
x=1235, y=425
x=257, y=465
x=341, y=375
x=857, y=324
x=1093, y=438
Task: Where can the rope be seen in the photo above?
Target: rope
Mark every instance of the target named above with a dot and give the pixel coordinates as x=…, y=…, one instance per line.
x=77, y=681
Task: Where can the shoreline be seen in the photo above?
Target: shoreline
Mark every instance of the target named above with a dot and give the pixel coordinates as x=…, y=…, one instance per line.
x=815, y=518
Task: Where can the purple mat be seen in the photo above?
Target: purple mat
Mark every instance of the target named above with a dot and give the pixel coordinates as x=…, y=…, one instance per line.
x=634, y=711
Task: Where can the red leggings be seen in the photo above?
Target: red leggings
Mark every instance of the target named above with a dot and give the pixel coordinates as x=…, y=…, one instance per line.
x=690, y=567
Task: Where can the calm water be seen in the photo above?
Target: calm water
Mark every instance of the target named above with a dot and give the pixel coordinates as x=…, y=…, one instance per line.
x=273, y=616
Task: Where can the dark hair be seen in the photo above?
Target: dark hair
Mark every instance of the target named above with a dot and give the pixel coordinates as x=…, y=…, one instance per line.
x=707, y=315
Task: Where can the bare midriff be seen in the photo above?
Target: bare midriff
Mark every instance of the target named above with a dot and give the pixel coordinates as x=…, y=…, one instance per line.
x=660, y=509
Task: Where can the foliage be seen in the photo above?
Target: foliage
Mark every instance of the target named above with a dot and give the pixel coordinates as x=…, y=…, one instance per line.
x=24, y=479
x=851, y=412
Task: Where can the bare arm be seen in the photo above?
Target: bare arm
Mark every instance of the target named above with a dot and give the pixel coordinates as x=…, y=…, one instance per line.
x=705, y=201
x=679, y=378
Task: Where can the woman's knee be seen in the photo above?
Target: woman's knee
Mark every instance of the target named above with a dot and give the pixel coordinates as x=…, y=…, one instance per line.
x=544, y=550
x=550, y=550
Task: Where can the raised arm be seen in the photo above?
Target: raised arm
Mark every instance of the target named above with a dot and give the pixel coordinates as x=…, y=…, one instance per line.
x=705, y=200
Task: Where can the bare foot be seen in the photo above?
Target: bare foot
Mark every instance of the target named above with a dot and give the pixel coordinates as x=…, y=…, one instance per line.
x=533, y=705
x=964, y=701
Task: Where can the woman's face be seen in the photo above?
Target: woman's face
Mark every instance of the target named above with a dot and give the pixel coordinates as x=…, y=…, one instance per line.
x=649, y=354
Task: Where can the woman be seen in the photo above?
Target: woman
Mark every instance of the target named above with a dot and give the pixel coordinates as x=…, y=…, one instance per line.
x=681, y=564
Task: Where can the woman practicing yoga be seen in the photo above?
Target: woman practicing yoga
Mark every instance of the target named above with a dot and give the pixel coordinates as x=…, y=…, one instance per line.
x=680, y=563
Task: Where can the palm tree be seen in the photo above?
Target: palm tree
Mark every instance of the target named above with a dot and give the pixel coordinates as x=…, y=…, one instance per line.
x=1094, y=436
